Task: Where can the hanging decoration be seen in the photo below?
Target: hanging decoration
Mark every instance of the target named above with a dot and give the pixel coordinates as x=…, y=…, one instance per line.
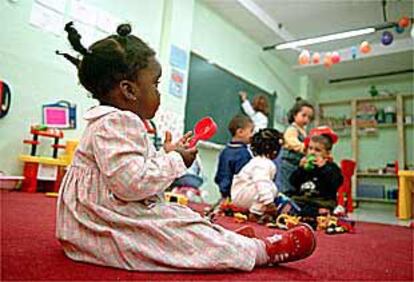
x=386, y=38
x=316, y=58
x=399, y=29
x=404, y=22
x=365, y=47
x=354, y=51
x=335, y=58
x=304, y=57
x=327, y=60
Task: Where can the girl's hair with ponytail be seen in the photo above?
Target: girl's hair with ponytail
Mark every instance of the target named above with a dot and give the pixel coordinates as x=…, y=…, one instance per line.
x=109, y=60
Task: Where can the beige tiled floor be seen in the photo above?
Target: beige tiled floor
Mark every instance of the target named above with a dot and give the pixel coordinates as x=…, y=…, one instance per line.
x=376, y=212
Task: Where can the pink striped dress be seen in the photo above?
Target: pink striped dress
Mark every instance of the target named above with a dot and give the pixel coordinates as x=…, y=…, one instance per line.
x=110, y=208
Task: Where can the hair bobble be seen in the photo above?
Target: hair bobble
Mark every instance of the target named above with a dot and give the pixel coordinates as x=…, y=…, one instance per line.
x=124, y=30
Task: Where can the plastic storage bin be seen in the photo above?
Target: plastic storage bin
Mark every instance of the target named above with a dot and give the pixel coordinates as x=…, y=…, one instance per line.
x=10, y=182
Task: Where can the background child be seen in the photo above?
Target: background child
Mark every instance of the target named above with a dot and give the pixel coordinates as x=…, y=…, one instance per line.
x=258, y=110
x=253, y=188
x=110, y=206
x=293, y=147
x=236, y=153
x=316, y=186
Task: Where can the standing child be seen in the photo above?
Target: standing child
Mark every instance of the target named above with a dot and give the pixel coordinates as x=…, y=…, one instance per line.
x=293, y=149
x=317, y=178
x=253, y=188
x=235, y=155
x=111, y=210
x=258, y=110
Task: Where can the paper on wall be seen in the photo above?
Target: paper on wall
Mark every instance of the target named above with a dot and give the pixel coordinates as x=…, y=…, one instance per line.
x=87, y=32
x=82, y=12
x=57, y=5
x=46, y=19
x=107, y=22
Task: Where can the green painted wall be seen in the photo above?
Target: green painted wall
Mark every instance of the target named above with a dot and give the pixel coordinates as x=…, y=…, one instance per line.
x=37, y=76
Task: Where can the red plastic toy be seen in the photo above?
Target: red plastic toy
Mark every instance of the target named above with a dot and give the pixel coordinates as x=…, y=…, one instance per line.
x=203, y=130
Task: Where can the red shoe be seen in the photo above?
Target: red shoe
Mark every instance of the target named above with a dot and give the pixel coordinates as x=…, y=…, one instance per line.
x=247, y=231
x=296, y=243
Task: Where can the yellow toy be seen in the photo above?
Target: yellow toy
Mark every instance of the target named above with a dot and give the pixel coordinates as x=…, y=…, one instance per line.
x=325, y=221
x=285, y=221
x=176, y=198
x=48, y=169
x=239, y=217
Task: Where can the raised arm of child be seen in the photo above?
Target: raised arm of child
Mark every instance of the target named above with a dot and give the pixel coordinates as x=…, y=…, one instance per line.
x=256, y=111
x=246, y=105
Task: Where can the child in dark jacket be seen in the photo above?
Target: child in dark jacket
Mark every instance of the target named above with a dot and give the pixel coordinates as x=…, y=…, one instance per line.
x=318, y=178
x=236, y=154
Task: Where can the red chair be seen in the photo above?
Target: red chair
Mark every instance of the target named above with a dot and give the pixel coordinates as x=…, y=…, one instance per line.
x=345, y=191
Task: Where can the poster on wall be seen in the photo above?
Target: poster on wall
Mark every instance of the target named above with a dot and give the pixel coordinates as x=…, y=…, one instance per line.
x=107, y=22
x=176, y=83
x=46, y=19
x=57, y=5
x=82, y=12
x=178, y=57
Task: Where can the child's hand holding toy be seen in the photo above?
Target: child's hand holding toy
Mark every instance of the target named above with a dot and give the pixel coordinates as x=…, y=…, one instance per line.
x=181, y=147
x=311, y=161
x=182, y=143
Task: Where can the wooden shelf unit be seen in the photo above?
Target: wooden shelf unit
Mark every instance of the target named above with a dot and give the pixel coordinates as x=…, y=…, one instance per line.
x=376, y=175
x=376, y=200
x=398, y=101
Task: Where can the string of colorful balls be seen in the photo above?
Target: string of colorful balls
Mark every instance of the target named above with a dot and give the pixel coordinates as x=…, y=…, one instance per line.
x=332, y=58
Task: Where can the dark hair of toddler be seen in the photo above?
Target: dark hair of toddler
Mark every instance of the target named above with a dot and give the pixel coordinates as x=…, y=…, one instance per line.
x=324, y=140
x=239, y=121
x=267, y=142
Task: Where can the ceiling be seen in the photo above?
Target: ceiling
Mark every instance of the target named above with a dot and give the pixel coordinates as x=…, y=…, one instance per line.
x=274, y=21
